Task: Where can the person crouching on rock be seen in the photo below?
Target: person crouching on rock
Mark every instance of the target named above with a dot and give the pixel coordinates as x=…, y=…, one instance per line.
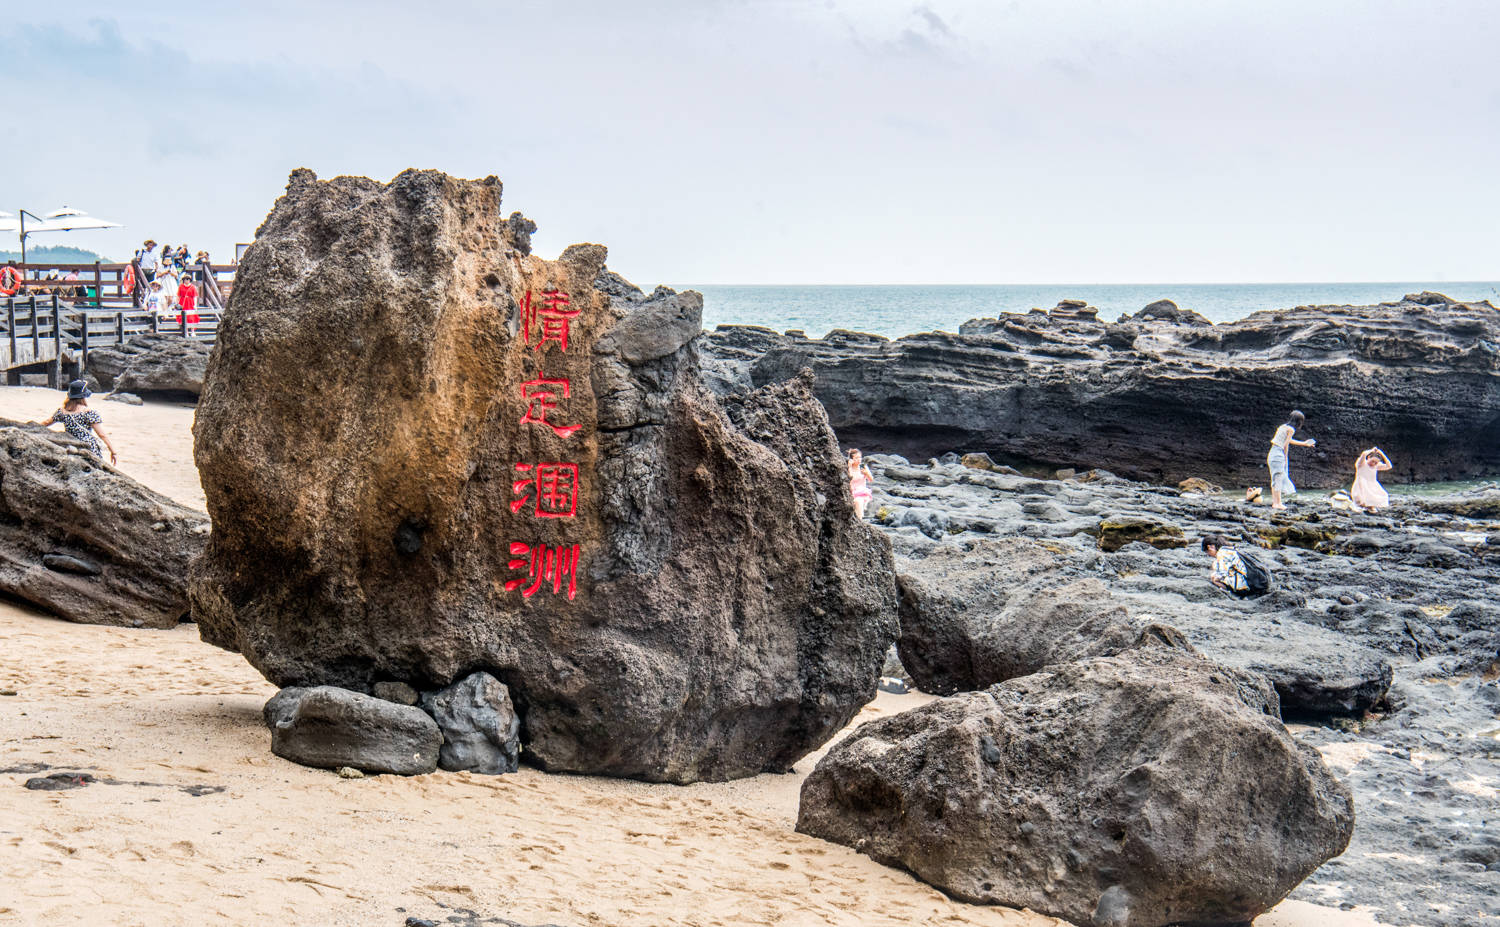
x=860, y=479
x=80, y=421
x=1229, y=568
x=1276, y=460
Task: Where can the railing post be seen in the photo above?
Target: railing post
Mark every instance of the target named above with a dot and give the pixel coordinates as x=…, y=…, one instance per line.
x=98, y=286
x=57, y=335
x=119, y=327
x=10, y=311
x=84, y=340
x=36, y=333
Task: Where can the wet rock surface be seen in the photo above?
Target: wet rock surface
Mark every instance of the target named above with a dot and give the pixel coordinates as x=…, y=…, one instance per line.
x=1162, y=395
x=1149, y=788
x=675, y=590
x=1381, y=636
x=160, y=366
x=84, y=541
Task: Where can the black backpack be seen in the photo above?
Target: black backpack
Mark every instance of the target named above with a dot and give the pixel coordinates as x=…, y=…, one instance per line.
x=1257, y=577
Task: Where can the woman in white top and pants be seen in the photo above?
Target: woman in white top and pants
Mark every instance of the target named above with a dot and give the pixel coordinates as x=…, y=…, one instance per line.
x=1276, y=460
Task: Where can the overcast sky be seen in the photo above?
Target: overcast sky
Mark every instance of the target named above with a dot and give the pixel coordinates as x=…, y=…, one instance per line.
x=769, y=141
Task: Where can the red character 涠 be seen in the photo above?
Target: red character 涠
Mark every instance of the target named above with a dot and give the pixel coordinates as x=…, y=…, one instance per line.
x=544, y=564
x=552, y=318
x=542, y=395
x=552, y=486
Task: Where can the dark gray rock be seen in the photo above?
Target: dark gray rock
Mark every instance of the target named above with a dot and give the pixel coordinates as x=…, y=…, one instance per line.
x=398, y=692
x=329, y=727
x=706, y=606
x=84, y=541
x=655, y=328
x=481, y=732
x=1149, y=788
x=162, y=365
x=279, y=707
x=975, y=616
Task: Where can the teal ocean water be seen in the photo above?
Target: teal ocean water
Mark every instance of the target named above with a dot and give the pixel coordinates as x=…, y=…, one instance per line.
x=902, y=310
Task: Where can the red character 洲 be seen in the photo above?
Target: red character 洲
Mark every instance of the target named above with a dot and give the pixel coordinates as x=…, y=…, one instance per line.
x=541, y=397
x=544, y=564
x=552, y=317
x=552, y=486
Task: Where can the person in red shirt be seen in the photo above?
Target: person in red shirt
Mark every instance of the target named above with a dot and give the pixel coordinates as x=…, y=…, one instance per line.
x=187, y=300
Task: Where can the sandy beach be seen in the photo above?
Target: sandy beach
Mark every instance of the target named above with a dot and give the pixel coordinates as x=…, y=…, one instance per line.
x=191, y=819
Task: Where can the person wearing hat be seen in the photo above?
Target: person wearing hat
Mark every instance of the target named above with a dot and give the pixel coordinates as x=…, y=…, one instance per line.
x=146, y=257
x=80, y=421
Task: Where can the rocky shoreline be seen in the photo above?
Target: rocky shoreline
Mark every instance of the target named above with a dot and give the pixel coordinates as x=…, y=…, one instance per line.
x=1381, y=636
x=1163, y=394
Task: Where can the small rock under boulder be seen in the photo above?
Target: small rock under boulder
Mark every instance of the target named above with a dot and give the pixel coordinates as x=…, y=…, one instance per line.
x=1144, y=789
x=329, y=727
x=481, y=732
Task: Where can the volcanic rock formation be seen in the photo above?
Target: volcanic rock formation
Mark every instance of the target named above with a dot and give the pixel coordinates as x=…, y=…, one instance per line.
x=86, y=542
x=164, y=366
x=496, y=465
x=1144, y=789
x=1162, y=395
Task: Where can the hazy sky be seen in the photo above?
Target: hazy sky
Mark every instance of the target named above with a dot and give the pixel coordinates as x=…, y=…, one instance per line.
x=712, y=141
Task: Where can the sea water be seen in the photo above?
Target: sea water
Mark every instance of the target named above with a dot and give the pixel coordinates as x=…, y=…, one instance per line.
x=903, y=310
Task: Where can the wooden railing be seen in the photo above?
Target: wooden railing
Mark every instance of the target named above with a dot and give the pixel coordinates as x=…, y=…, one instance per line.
x=38, y=329
x=102, y=285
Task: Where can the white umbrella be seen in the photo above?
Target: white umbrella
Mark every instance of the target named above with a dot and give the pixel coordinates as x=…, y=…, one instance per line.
x=69, y=219
x=66, y=219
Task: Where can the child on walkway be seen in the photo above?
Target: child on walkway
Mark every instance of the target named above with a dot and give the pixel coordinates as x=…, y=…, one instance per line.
x=187, y=302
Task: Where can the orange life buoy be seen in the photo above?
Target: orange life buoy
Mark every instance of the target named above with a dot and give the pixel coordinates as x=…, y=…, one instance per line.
x=10, y=281
x=127, y=280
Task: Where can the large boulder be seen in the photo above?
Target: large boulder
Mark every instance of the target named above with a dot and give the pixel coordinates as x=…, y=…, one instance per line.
x=496, y=466
x=86, y=542
x=1148, y=788
x=973, y=617
x=162, y=365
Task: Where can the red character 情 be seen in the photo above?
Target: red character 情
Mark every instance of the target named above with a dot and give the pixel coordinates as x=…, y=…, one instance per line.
x=552, y=318
x=541, y=397
x=544, y=564
x=552, y=486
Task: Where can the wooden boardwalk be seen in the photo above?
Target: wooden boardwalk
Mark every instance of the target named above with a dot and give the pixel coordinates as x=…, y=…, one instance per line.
x=49, y=326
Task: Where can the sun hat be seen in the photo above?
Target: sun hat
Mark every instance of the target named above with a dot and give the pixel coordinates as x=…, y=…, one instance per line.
x=78, y=389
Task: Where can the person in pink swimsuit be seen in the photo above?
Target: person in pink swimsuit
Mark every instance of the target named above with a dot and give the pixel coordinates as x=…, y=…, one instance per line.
x=860, y=479
x=1367, y=492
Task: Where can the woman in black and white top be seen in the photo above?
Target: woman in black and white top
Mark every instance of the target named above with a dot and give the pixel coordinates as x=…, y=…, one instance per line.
x=80, y=421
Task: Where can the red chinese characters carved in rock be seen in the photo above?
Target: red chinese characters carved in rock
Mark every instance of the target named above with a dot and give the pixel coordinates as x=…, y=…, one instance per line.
x=544, y=564
x=541, y=396
x=553, y=487
x=550, y=319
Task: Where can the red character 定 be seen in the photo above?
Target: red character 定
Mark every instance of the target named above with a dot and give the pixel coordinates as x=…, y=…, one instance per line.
x=544, y=564
x=542, y=395
x=552, y=486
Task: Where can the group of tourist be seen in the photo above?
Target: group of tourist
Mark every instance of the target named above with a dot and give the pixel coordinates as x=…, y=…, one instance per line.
x=169, y=281
x=1236, y=572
